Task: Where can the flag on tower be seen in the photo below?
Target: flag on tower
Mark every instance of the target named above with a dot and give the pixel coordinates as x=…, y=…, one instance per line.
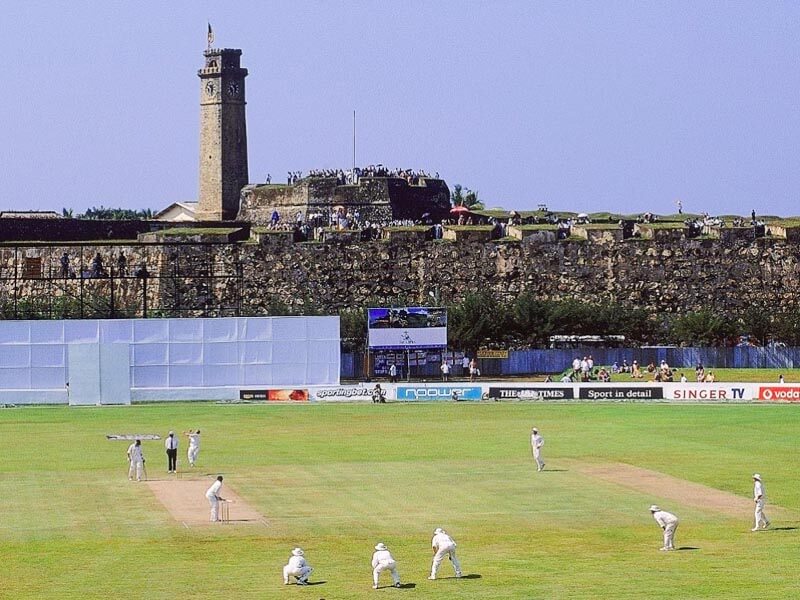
x=210, y=35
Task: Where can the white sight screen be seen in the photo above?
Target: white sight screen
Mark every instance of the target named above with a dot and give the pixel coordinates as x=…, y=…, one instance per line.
x=168, y=353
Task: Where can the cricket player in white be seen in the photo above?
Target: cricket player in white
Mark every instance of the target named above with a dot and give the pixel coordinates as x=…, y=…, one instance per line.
x=382, y=560
x=194, y=446
x=297, y=568
x=758, y=497
x=135, y=460
x=443, y=545
x=537, y=441
x=214, y=498
x=669, y=523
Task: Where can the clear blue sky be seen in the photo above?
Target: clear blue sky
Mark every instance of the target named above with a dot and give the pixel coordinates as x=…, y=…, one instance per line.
x=624, y=106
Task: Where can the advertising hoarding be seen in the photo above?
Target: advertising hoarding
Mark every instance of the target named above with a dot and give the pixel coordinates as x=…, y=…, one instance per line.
x=409, y=328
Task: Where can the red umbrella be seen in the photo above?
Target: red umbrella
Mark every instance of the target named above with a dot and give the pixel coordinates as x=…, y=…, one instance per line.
x=459, y=209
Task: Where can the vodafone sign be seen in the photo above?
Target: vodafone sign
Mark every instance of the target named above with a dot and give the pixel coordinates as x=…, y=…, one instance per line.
x=779, y=394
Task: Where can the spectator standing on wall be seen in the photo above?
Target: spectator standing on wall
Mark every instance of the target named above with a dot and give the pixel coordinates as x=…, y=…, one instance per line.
x=65, y=265
x=122, y=265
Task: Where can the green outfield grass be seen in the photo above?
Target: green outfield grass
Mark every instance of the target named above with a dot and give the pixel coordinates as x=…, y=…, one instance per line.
x=336, y=479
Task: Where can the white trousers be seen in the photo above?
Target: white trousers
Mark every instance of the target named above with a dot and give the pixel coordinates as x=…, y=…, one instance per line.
x=537, y=456
x=386, y=566
x=439, y=557
x=301, y=574
x=761, y=519
x=212, y=500
x=192, y=454
x=135, y=469
x=669, y=536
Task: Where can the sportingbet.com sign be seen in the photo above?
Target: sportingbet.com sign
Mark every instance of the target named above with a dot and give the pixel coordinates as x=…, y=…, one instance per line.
x=437, y=392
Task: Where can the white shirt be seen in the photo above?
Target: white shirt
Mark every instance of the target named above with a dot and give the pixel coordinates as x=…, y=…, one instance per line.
x=683, y=379
x=537, y=441
x=381, y=557
x=758, y=490
x=576, y=364
x=445, y=368
x=566, y=379
x=135, y=452
x=194, y=439
x=296, y=562
x=214, y=489
x=664, y=518
x=392, y=370
x=465, y=362
x=442, y=540
x=171, y=443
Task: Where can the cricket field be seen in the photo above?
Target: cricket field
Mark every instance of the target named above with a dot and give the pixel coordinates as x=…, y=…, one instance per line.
x=336, y=479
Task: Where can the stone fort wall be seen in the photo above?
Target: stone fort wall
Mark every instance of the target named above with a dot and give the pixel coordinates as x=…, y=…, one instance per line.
x=663, y=276
x=375, y=198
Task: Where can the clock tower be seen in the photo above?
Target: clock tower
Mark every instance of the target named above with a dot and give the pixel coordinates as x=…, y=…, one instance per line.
x=223, y=135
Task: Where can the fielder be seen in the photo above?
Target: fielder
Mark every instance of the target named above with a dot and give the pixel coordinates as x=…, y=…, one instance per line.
x=382, y=560
x=214, y=498
x=297, y=568
x=669, y=523
x=194, y=446
x=443, y=545
x=537, y=441
x=135, y=460
x=758, y=497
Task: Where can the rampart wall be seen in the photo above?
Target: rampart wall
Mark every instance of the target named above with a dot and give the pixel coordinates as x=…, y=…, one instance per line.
x=375, y=198
x=249, y=278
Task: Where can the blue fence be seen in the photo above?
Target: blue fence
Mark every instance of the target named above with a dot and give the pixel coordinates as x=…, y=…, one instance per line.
x=527, y=362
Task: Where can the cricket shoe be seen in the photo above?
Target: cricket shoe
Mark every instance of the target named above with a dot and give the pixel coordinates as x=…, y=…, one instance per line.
x=301, y=582
x=432, y=577
x=754, y=529
x=397, y=585
x=375, y=587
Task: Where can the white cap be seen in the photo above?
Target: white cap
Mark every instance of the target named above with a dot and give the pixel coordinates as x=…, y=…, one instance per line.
x=381, y=546
x=172, y=433
x=756, y=476
x=654, y=508
x=534, y=430
x=438, y=530
x=297, y=552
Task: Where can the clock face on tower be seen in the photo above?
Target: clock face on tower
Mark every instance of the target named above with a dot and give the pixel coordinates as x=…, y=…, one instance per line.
x=233, y=89
x=210, y=88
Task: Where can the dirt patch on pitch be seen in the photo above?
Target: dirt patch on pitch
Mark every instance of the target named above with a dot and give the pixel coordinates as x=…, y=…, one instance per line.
x=667, y=487
x=185, y=500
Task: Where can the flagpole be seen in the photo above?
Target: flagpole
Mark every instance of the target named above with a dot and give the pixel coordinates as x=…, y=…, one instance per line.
x=354, y=143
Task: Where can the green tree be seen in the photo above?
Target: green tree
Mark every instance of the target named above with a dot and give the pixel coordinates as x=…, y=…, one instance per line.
x=353, y=329
x=461, y=196
x=477, y=320
x=702, y=328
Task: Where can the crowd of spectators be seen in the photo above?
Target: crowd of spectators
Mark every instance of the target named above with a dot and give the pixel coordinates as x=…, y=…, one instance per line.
x=352, y=176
